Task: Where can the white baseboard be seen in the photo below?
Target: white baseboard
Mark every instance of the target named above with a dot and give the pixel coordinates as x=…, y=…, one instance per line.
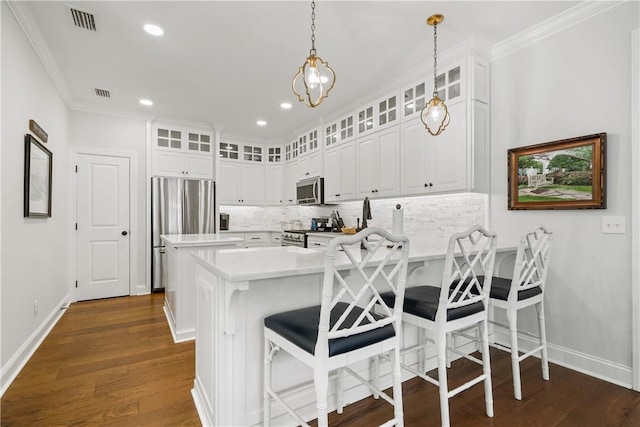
x=13, y=367
x=605, y=370
x=178, y=337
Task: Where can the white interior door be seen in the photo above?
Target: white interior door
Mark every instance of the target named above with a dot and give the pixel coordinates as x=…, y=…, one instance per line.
x=102, y=184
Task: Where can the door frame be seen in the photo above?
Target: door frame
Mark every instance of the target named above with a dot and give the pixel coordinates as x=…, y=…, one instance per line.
x=635, y=208
x=73, y=244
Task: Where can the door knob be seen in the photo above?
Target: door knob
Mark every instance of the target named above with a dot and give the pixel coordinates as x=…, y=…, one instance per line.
x=124, y=233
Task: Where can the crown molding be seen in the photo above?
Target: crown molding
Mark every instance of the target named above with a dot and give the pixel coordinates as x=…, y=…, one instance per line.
x=108, y=111
x=559, y=22
x=22, y=13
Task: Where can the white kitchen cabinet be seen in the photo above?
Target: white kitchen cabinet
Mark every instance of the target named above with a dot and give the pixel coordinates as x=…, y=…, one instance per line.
x=435, y=164
x=183, y=165
x=378, y=164
x=274, y=154
x=179, y=151
x=317, y=242
x=290, y=179
x=340, y=173
x=241, y=184
x=377, y=115
x=273, y=177
x=276, y=238
x=256, y=240
x=310, y=165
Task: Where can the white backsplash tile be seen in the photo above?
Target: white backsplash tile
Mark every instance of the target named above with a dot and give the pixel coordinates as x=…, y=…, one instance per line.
x=433, y=216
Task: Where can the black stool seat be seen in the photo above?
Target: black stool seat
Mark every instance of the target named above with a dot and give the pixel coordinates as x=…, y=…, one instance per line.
x=500, y=288
x=423, y=301
x=301, y=328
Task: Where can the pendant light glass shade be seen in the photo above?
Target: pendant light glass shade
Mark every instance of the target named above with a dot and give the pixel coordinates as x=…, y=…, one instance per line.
x=435, y=115
x=314, y=78
x=313, y=81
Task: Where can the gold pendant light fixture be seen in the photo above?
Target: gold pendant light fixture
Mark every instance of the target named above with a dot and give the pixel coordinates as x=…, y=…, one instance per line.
x=315, y=78
x=435, y=115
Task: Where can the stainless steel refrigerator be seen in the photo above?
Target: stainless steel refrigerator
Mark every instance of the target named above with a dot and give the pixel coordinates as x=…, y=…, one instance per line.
x=178, y=206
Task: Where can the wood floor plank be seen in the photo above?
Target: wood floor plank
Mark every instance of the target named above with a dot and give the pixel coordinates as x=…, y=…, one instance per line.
x=113, y=363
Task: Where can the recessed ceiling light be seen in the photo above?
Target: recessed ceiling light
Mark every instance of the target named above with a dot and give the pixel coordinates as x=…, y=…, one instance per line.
x=285, y=105
x=154, y=30
x=261, y=123
x=146, y=102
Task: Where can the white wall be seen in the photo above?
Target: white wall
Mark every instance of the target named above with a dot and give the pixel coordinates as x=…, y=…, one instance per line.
x=34, y=251
x=575, y=82
x=111, y=133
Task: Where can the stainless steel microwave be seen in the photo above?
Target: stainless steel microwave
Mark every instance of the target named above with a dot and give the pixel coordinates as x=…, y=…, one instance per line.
x=310, y=191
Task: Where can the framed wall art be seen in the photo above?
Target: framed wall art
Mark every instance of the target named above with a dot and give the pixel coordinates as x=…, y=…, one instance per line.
x=565, y=174
x=38, y=163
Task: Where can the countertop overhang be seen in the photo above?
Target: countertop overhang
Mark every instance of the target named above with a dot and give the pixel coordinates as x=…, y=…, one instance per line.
x=237, y=265
x=183, y=240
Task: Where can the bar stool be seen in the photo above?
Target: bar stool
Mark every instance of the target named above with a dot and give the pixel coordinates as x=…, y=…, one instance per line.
x=345, y=329
x=524, y=289
x=459, y=303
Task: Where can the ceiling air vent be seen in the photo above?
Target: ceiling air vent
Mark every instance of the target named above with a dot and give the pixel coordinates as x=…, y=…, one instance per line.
x=82, y=19
x=103, y=93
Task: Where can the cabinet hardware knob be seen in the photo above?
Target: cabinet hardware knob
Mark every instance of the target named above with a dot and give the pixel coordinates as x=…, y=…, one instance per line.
x=430, y=184
x=124, y=233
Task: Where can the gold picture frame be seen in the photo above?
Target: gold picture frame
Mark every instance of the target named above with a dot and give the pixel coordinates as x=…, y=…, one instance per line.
x=564, y=174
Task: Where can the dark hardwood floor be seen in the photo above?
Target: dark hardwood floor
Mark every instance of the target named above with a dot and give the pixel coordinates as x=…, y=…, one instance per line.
x=113, y=362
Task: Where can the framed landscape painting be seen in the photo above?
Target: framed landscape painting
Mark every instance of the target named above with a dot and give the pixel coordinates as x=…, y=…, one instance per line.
x=37, y=178
x=565, y=174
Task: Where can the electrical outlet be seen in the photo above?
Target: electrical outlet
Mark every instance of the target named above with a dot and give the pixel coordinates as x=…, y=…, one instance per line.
x=613, y=225
x=35, y=308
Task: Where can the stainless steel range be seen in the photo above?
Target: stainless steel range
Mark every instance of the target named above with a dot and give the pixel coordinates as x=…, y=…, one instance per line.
x=294, y=238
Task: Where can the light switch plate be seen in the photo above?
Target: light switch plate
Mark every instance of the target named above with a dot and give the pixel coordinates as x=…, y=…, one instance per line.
x=613, y=225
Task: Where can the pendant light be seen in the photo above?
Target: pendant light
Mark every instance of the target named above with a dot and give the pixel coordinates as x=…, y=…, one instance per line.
x=315, y=78
x=435, y=115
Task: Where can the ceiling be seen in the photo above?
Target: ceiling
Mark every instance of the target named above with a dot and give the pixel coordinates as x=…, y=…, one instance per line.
x=230, y=63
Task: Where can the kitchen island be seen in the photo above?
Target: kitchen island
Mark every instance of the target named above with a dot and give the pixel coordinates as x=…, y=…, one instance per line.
x=180, y=288
x=236, y=289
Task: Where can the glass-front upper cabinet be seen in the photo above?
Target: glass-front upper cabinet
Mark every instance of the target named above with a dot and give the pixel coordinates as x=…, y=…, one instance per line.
x=365, y=120
x=252, y=153
x=415, y=97
x=229, y=151
x=313, y=140
x=302, y=144
x=347, y=128
x=387, y=110
x=169, y=138
x=450, y=84
x=331, y=134
x=199, y=142
x=274, y=155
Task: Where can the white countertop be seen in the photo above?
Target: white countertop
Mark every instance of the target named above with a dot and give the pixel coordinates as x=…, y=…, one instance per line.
x=180, y=240
x=253, y=230
x=237, y=265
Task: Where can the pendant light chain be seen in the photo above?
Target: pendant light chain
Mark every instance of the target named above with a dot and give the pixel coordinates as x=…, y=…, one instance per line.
x=435, y=59
x=312, y=52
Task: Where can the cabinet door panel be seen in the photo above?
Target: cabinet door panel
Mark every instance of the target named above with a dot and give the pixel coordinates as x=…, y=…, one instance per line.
x=228, y=179
x=414, y=148
x=290, y=180
x=198, y=166
x=367, y=166
x=166, y=163
x=332, y=175
x=273, y=181
x=252, y=185
x=348, y=171
x=387, y=170
x=447, y=155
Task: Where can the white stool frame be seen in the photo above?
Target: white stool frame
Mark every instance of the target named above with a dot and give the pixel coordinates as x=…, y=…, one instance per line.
x=367, y=297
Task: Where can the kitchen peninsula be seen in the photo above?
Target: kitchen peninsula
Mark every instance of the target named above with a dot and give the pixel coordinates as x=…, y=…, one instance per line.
x=180, y=291
x=236, y=289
